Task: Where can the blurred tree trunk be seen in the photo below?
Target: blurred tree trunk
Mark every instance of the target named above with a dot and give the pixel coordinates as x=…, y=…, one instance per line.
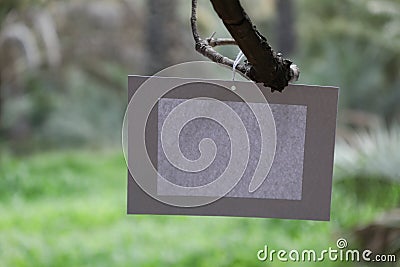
x=286, y=32
x=161, y=34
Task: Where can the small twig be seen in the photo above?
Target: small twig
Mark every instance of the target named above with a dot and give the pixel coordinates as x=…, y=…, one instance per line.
x=212, y=35
x=213, y=42
x=193, y=21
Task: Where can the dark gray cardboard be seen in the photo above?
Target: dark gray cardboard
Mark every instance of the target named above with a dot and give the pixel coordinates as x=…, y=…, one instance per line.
x=300, y=181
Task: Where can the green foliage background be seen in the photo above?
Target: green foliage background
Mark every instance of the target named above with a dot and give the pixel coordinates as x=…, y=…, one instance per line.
x=68, y=209
x=63, y=185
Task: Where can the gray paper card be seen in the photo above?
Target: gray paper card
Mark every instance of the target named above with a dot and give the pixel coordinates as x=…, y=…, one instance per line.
x=196, y=147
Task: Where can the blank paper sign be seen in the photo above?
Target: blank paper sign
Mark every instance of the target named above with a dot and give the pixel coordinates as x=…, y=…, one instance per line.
x=284, y=180
x=298, y=184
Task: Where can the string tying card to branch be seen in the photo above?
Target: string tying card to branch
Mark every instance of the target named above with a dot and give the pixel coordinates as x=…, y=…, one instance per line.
x=239, y=57
x=263, y=64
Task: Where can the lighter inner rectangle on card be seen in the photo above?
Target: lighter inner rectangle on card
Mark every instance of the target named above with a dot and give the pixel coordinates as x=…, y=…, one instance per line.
x=285, y=178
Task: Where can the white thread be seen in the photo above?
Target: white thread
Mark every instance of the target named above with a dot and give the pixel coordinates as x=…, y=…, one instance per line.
x=239, y=57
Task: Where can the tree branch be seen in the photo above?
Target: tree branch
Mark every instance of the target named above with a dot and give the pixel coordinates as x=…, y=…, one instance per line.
x=205, y=47
x=264, y=65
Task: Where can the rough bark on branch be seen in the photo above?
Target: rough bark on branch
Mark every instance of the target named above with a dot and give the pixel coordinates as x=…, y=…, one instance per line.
x=264, y=65
x=205, y=47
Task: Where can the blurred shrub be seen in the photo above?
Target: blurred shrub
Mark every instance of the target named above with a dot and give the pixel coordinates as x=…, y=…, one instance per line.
x=74, y=111
x=366, y=176
x=27, y=107
x=86, y=113
x=367, y=170
x=370, y=154
x=354, y=45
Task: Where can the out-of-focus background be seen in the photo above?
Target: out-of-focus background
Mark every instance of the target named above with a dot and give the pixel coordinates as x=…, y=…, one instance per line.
x=63, y=81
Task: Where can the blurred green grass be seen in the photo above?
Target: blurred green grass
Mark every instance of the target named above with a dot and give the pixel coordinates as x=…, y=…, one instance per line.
x=69, y=209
